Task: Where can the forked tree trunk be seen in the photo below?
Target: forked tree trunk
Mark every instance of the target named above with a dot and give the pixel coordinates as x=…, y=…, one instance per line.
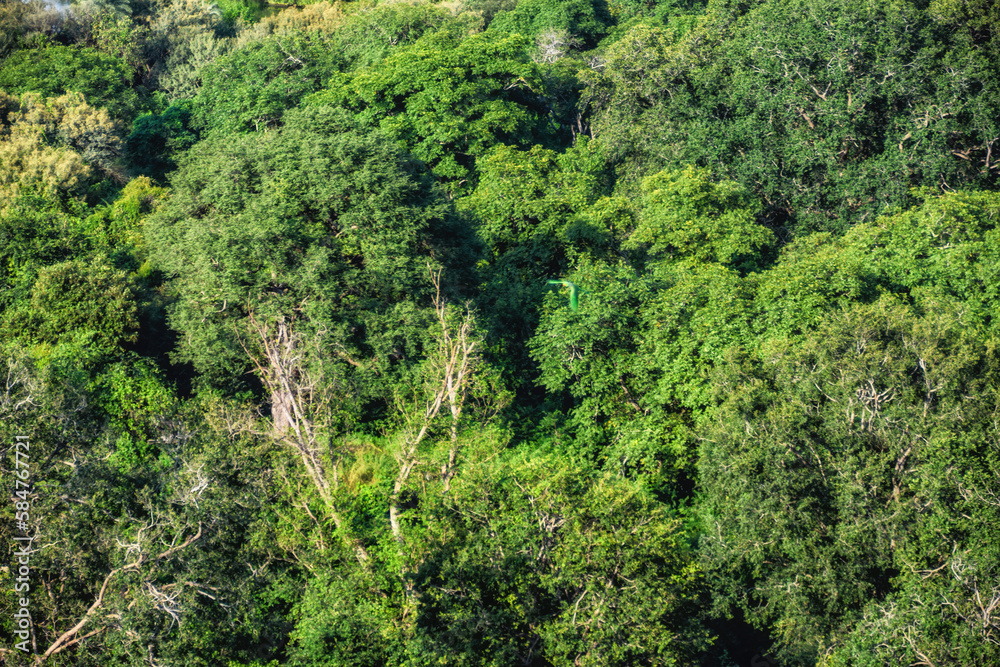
x=297, y=398
x=452, y=363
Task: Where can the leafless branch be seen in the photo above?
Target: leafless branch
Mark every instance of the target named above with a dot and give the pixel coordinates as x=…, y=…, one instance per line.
x=451, y=367
x=66, y=639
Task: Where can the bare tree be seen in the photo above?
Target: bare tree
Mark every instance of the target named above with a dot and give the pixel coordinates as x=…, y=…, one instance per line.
x=451, y=367
x=302, y=404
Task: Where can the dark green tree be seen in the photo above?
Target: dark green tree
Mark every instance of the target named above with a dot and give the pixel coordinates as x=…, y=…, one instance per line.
x=319, y=228
x=150, y=550
x=448, y=98
x=250, y=88
x=534, y=560
x=828, y=111
x=819, y=460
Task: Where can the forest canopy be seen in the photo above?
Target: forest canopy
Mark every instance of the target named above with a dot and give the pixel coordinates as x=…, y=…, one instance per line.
x=500, y=332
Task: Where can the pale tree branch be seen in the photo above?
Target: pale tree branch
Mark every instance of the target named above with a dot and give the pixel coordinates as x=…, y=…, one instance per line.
x=301, y=402
x=66, y=639
x=451, y=368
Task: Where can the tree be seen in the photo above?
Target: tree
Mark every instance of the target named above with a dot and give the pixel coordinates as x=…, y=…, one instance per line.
x=29, y=24
x=685, y=215
x=828, y=119
x=587, y=21
x=144, y=562
x=372, y=33
x=183, y=37
x=536, y=561
x=536, y=212
x=318, y=225
x=69, y=121
x=76, y=297
x=31, y=166
x=251, y=88
x=944, y=246
x=104, y=80
x=157, y=139
x=116, y=34
x=303, y=254
x=818, y=463
x=447, y=97
x=535, y=197
x=34, y=233
x=636, y=357
x=50, y=145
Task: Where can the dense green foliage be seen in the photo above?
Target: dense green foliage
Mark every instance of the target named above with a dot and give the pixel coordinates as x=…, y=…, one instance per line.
x=103, y=79
x=317, y=223
x=286, y=318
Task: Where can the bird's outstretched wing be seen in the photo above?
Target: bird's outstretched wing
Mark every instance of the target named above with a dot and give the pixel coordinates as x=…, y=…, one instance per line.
x=573, y=292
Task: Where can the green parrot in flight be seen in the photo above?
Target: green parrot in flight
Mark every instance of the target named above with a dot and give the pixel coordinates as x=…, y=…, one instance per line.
x=573, y=292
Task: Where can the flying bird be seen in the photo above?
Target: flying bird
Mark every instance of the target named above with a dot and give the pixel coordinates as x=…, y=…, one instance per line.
x=573, y=292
